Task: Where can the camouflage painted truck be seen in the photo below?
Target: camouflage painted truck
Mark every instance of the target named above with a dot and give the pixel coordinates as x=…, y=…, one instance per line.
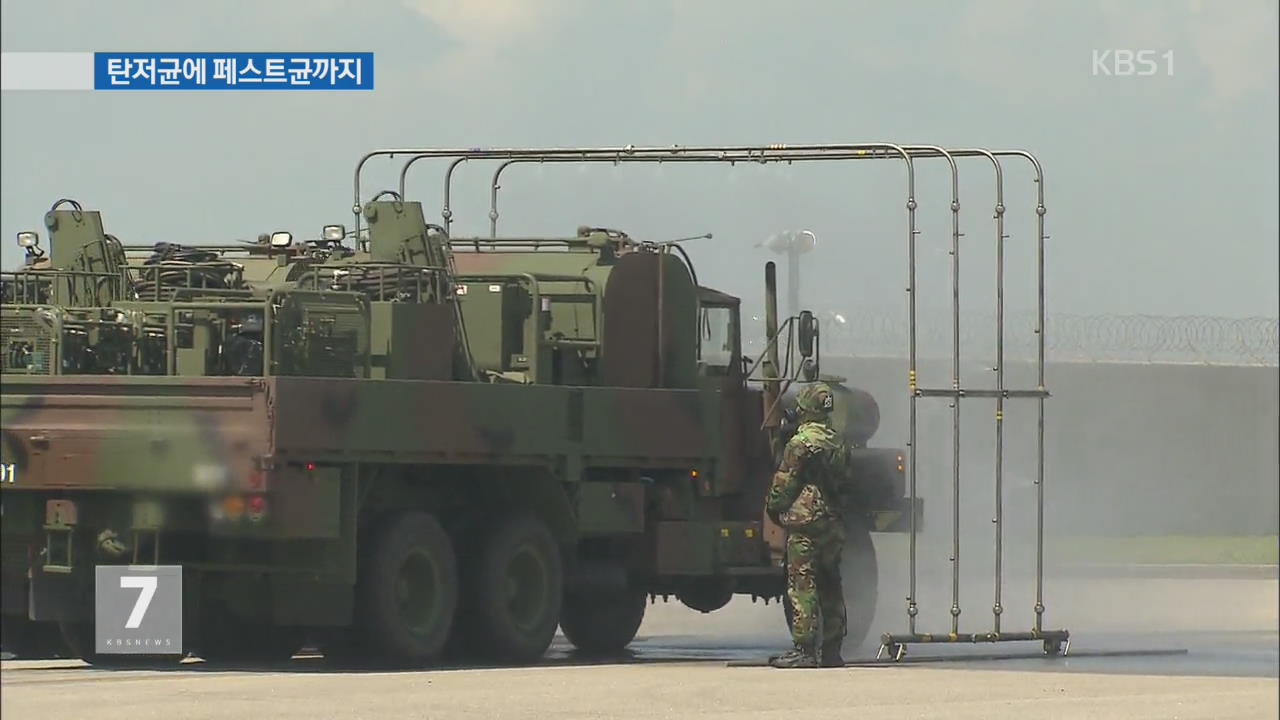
x=403, y=447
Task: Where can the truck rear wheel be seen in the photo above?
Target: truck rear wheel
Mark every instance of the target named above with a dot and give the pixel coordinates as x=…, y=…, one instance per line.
x=602, y=623
x=28, y=640
x=79, y=638
x=79, y=635
x=229, y=641
x=228, y=636
x=408, y=589
x=516, y=591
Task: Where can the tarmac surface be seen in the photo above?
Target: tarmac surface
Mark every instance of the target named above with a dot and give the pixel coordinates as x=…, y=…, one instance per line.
x=1145, y=647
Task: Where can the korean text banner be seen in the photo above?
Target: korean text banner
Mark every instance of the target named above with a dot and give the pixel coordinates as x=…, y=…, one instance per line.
x=233, y=71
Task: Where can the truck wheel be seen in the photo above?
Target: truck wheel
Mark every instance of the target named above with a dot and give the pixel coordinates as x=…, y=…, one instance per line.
x=29, y=640
x=602, y=624
x=231, y=641
x=79, y=639
x=408, y=589
x=517, y=589
x=860, y=577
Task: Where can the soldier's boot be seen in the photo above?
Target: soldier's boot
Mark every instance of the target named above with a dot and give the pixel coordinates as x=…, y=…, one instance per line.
x=830, y=656
x=798, y=657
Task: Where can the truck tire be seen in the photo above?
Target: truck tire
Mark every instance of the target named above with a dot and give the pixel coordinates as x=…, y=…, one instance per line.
x=226, y=637
x=407, y=589
x=516, y=590
x=231, y=641
x=859, y=576
x=79, y=639
x=602, y=623
x=29, y=640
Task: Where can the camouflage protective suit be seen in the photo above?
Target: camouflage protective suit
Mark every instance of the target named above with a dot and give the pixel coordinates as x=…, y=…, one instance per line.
x=803, y=500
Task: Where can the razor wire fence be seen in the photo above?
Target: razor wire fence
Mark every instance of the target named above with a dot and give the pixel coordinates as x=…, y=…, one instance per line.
x=1068, y=338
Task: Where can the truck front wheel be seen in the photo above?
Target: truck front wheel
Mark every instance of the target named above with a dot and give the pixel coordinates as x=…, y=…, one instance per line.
x=860, y=576
x=408, y=589
x=602, y=623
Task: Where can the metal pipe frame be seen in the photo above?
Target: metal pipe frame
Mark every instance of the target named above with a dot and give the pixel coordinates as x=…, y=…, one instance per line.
x=1040, y=393
x=1053, y=639
x=791, y=153
x=630, y=150
x=446, y=212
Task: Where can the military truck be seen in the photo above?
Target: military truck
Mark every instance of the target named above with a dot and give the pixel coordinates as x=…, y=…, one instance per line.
x=401, y=446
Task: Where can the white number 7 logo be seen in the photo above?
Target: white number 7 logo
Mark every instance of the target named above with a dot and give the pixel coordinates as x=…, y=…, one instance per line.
x=148, y=587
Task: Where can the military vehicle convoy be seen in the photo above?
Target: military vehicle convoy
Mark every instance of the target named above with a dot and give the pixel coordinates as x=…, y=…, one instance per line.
x=400, y=446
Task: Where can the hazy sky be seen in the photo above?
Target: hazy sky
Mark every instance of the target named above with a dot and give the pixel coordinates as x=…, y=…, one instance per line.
x=1161, y=191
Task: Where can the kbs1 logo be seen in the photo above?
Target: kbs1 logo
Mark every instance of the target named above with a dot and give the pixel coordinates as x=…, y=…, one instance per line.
x=1127, y=63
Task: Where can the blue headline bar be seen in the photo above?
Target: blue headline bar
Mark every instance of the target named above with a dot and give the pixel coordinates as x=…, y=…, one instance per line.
x=232, y=71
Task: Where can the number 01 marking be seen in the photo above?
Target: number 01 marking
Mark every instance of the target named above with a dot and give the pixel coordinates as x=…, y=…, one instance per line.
x=148, y=587
x=8, y=473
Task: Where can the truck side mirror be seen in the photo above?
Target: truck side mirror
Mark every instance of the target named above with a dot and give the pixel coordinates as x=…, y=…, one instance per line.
x=809, y=370
x=807, y=333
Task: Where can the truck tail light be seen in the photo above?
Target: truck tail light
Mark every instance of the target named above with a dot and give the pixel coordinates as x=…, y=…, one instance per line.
x=257, y=507
x=233, y=507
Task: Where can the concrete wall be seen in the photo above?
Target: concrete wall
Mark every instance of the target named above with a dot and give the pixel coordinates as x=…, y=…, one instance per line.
x=1130, y=449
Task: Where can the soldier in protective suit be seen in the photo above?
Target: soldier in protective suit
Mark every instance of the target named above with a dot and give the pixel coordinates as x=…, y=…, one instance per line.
x=803, y=501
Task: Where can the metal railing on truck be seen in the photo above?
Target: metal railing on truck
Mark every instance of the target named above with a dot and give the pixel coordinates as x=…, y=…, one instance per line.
x=380, y=281
x=142, y=338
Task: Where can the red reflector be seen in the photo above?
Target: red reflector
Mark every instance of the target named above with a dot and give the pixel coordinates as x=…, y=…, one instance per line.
x=311, y=466
x=257, y=507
